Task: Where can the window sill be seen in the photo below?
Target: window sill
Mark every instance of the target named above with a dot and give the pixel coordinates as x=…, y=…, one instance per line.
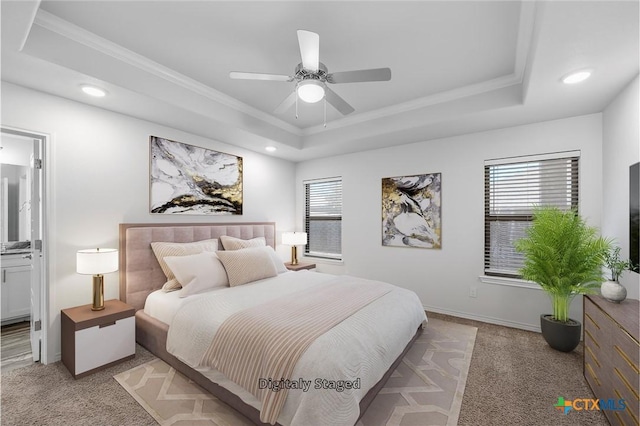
x=509, y=282
x=323, y=260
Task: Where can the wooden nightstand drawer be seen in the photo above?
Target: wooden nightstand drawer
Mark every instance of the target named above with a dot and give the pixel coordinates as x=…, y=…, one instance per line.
x=92, y=340
x=102, y=345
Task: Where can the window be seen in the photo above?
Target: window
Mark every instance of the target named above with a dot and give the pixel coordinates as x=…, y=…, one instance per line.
x=512, y=188
x=323, y=218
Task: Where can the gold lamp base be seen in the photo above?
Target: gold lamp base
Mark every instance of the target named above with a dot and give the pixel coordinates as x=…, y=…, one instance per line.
x=98, y=292
x=294, y=255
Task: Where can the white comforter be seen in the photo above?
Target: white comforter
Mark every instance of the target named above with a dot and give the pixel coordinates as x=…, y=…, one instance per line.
x=361, y=347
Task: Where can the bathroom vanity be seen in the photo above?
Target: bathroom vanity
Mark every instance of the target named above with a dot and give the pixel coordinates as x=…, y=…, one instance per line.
x=16, y=287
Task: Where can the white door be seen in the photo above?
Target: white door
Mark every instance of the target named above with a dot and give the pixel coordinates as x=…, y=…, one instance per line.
x=25, y=150
x=36, y=247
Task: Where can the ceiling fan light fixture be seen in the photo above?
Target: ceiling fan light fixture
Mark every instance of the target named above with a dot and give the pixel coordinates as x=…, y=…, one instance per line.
x=310, y=91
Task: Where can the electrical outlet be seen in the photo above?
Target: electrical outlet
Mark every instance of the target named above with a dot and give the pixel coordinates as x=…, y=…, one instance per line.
x=473, y=292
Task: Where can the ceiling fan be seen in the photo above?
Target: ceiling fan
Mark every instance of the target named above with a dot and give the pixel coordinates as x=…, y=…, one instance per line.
x=311, y=77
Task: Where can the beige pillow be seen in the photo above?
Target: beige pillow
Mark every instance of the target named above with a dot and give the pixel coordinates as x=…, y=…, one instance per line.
x=247, y=265
x=163, y=249
x=232, y=243
x=198, y=272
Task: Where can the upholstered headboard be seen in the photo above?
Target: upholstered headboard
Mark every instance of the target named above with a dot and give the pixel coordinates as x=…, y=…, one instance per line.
x=140, y=272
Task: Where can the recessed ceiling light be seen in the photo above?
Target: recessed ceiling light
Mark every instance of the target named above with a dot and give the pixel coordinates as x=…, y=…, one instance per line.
x=576, y=77
x=270, y=148
x=93, y=91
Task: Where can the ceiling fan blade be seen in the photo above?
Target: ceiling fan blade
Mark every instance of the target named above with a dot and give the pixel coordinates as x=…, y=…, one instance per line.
x=257, y=76
x=337, y=102
x=376, y=74
x=286, y=104
x=309, y=49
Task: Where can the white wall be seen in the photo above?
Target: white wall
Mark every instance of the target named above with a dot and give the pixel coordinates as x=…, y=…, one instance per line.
x=442, y=278
x=99, y=177
x=620, y=149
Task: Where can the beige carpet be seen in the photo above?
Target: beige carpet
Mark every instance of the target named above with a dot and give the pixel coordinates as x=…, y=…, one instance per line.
x=425, y=389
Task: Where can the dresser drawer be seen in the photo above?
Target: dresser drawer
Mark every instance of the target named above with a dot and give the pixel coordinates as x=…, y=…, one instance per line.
x=597, y=329
x=611, y=355
x=101, y=345
x=626, y=354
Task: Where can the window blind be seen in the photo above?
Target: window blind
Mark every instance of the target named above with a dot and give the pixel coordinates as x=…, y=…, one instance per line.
x=323, y=218
x=512, y=190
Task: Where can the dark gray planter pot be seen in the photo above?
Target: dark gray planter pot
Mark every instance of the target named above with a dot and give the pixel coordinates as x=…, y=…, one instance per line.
x=561, y=336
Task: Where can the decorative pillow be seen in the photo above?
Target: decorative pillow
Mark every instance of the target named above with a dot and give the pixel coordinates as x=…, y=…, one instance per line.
x=277, y=262
x=247, y=265
x=164, y=249
x=232, y=243
x=197, y=272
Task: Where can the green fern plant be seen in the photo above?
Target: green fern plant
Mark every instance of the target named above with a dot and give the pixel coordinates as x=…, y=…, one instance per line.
x=564, y=255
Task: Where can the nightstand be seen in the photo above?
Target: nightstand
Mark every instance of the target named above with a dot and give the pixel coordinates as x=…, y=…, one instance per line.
x=93, y=340
x=300, y=266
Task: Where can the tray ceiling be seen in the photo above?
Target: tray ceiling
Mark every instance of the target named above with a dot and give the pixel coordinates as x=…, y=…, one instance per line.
x=456, y=66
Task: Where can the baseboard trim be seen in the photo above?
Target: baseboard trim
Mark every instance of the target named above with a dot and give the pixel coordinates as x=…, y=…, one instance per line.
x=483, y=318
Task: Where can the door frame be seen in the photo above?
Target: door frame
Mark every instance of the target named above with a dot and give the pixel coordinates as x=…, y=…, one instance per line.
x=45, y=273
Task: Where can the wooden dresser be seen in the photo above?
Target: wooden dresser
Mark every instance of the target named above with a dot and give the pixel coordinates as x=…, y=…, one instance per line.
x=611, y=354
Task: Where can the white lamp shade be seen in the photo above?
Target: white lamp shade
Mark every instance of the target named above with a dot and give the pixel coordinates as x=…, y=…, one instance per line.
x=294, y=238
x=97, y=261
x=310, y=91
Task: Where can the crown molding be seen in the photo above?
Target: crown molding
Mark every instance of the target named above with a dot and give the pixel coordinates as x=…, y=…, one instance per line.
x=523, y=50
x=73, y=32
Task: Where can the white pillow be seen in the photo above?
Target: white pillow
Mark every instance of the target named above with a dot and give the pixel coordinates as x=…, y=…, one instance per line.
x=198, y=272
x=163, y=249
x=277, y=262
x=232, y=243
x=247, y=265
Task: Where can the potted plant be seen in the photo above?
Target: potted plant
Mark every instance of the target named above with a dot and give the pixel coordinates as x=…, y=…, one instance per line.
x=612, y=290
x=565, y=257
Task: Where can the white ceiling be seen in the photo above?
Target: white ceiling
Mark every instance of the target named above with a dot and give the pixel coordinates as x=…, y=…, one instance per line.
x=457, y=66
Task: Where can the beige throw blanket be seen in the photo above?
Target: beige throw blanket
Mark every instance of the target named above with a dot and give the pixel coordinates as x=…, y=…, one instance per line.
x=265, y=341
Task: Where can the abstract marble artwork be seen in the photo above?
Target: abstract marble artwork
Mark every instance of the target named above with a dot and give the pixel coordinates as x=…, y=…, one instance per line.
x=411, y=211
x=187, y=179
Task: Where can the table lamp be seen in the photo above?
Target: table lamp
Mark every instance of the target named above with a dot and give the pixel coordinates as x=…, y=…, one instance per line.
x=294, y=239
x=97, y=262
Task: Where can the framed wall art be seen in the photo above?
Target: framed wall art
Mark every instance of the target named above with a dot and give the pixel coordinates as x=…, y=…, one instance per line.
x=187, y=179
x=411, y=211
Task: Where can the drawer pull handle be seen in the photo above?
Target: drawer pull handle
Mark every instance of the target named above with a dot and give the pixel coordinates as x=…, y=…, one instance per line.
x=591, y=336
x=107, y=325
x=626, y=358
x=593, y=356
x=626, y=382
x=594, y=323
x=593, y=374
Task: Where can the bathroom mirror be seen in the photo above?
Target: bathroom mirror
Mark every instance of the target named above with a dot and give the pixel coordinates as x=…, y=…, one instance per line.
x=15, y=190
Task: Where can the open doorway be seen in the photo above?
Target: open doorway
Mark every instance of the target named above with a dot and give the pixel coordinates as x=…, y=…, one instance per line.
x=22, y=233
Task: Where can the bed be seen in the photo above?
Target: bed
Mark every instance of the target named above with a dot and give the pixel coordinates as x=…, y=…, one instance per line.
x=162, y=325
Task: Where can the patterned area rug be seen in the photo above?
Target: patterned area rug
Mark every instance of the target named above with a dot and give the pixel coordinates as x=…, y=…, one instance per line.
x=425, y=389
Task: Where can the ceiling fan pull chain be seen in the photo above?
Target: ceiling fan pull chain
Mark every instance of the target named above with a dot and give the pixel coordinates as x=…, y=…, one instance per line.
x=325, y=112
x=296, y=106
